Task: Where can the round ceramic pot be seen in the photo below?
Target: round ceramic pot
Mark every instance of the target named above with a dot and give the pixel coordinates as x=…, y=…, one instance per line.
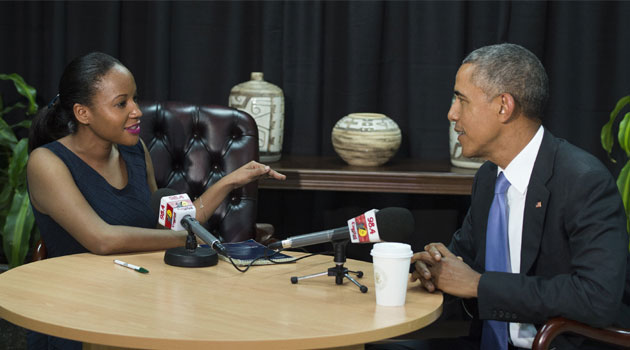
x=457, y=159
x=265, y=103
x=366, y=139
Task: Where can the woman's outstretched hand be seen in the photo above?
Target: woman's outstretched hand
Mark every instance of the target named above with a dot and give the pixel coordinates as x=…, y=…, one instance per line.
x=253, y=171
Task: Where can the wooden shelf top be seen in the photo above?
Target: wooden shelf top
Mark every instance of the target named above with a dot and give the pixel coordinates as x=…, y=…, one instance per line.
x=396, y=176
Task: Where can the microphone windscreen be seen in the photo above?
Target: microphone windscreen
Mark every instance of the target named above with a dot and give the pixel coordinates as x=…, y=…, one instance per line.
x=156, y=197
x=395, y=224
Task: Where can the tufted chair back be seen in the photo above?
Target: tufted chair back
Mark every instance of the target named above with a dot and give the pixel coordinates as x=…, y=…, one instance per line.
x=192, y=147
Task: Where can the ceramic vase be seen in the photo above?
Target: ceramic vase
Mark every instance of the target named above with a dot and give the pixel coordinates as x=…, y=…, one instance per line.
x=457, y=158
x=366, y=139
x=265, y=103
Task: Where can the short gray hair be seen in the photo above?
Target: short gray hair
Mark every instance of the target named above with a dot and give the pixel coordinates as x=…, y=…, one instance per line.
x=513, y=69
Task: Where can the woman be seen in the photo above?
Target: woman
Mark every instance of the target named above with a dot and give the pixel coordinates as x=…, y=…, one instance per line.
x=90, y=176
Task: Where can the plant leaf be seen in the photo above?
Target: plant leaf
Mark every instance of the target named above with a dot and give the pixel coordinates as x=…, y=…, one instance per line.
x=623, y=183
x=10, y=108
x=23, y=124
x=5, y=198
x=624, y=134
x=17, y=165
x=17, y=229
x=23, y=89
x=606, y=133
x=7, y=136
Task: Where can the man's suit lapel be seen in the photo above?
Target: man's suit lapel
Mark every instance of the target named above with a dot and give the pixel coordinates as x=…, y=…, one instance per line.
x=537, y=201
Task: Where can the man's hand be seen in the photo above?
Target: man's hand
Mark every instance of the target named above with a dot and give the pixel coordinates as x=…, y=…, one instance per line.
x=422, y=273
x=438, y=268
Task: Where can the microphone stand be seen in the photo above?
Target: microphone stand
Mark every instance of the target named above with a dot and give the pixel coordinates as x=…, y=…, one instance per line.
x=339, y=271
x=191, y=255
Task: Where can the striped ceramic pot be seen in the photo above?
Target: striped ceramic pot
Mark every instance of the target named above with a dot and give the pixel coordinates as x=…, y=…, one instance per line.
x=366, y=139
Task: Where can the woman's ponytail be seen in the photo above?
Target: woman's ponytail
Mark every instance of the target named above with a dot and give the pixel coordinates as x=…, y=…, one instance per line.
x=51, y=123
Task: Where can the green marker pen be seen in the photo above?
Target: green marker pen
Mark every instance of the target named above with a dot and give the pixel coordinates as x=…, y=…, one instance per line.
x=133, y=267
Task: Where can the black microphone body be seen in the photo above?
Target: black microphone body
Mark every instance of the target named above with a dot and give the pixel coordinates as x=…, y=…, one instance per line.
x=394, y=224
x=193, y=225
x=190, y=255
x=189, y=222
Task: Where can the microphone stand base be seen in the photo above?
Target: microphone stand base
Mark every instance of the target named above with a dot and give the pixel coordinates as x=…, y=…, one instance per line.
x=339, y=271
x=200, y=257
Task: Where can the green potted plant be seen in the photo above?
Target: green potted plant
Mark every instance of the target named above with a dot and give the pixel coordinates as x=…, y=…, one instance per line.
x=17, y=221
x=623, y=180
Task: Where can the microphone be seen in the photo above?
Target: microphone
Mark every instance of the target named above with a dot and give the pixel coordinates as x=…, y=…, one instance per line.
x=177, y=212
x=391, y=224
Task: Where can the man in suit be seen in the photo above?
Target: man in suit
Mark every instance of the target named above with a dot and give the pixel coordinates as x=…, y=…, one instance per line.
x=564, y=226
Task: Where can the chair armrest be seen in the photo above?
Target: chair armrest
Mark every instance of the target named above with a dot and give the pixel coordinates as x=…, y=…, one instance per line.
x=39, y=252
x=264, y=234
x=559, y=325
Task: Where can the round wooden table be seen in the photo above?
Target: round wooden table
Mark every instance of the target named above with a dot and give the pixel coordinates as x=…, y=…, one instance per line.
x=87, y=297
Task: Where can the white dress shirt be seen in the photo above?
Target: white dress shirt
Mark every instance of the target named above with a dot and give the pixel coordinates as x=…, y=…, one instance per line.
x=518, y=173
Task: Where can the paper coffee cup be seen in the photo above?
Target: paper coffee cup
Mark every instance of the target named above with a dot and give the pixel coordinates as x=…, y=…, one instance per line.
x=391, y=272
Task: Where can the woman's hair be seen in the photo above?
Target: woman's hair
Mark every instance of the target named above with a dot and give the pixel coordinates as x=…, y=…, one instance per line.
x=79, y=83
x=513, y=69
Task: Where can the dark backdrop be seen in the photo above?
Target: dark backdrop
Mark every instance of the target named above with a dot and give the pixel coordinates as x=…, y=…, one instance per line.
x=332, y=58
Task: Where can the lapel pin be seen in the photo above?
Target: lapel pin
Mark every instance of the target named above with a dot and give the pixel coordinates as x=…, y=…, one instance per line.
x=539, y=205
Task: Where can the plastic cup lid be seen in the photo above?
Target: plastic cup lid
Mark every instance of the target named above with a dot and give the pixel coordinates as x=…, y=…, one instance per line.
x=391, y=250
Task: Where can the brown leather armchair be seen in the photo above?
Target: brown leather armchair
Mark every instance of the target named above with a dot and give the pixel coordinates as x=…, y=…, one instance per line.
x=559, y=325
x=192, y=147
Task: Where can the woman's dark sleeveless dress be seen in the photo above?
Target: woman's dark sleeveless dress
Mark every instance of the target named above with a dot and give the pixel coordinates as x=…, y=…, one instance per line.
x=129, y=206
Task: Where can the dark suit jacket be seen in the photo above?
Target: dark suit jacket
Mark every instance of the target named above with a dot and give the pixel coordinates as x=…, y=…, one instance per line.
x=574, y=253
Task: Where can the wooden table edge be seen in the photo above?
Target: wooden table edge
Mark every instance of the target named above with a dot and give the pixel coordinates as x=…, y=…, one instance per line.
x=104, y=341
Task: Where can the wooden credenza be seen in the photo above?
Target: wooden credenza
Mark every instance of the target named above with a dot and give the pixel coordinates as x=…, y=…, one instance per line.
x=396, y=176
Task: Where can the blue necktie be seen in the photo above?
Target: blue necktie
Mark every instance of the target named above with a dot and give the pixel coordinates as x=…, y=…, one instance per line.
x=494, y=335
